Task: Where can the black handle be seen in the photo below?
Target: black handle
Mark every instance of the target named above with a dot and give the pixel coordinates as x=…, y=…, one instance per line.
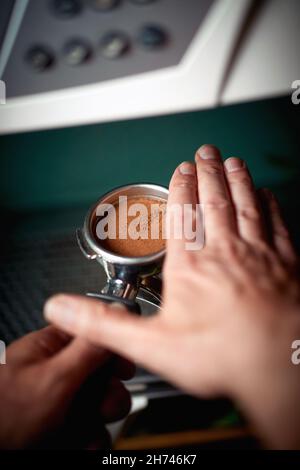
x=131, y=305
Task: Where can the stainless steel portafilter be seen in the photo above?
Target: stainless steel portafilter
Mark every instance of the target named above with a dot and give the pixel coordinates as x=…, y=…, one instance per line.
x=127, y=277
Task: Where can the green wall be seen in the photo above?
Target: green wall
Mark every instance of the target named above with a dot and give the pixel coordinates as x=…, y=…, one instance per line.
x=74, y=166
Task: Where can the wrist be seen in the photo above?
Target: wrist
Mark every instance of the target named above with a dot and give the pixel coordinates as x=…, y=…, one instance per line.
x=268, y=386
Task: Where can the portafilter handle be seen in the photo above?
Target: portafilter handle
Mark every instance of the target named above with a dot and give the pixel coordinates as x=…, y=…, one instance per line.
x=130, y=305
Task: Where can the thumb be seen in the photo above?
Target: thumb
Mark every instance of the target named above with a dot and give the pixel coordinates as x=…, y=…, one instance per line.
x=108, y=325
x=37, y=346
x=76, y=362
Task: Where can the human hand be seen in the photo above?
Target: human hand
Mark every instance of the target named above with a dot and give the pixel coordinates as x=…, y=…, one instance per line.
x=58, y=392
x=230, y=311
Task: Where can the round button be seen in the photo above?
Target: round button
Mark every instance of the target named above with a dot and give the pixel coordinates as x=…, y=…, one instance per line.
x=152, y=36
x=77, y=52
x=114, y=45
x=40, y=58
x=66, y=8
x=104, y=5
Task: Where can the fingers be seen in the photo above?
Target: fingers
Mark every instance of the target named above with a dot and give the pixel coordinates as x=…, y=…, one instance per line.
x=76, y=362
x=74, y=359
x=213, y=194
x=117, y=402
x=122, y=368
x=182, y=195
x=247, y=208
x=38, y=345
x=109, y=326
x=279, y=232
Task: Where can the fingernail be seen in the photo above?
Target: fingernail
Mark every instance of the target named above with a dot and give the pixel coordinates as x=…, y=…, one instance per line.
x=187, y=168
x=234, y=164
x=61, y=310
x=208, y=152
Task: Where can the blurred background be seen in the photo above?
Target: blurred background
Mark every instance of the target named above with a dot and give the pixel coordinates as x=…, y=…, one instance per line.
x=105, y=93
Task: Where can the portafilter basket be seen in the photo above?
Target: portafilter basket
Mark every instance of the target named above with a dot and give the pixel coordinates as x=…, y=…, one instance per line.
x=124, y=274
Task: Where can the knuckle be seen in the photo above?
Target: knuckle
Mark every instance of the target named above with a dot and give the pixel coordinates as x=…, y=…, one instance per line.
x=217, y=201
x=282, y=232
x=263, y=248
x=248, y=213
x=229, y=247
x=241, y=178
x=182, y=180
x=184, y=183
x=212, y=168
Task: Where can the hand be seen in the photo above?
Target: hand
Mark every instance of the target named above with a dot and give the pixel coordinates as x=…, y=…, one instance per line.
x=230, y=311
x=59, y=392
